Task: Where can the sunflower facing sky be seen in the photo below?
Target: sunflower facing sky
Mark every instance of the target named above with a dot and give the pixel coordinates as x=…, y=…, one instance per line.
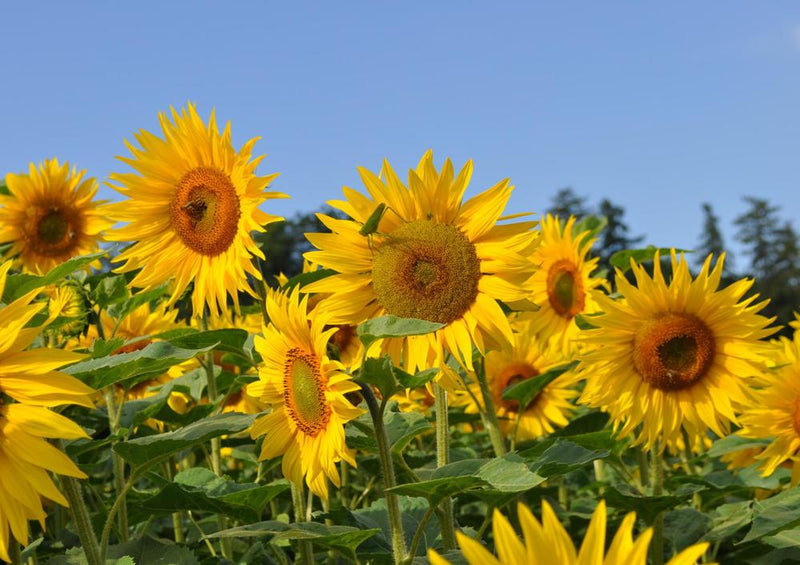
x=49, y=216
x=193, y=204
x=433, y=256
x=529, y=357
x=563, y=284
x=30, y=378
x=548, y=543
x=775, y=411
x=306, y=392
x=674, y=356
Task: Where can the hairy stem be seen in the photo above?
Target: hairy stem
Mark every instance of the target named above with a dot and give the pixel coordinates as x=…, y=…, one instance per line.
x=443, y=458
x=72, y=490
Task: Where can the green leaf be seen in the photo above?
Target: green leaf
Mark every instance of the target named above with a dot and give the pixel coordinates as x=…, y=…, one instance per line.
x=4, y=190
x=18, y=285
x=727, y=519
x=685, y=526
x=227, y=340
x=304, y=279
x=153, y=360
x=201, y=490
x=342, y=538
x=774, y=514
x=507, y=474
x=646, y=507
x=733, y=442
x=392, y=326
x=622, y=259
x=524, y=392
x=591, y=224
x=142, y=450
x=415, y=381
x=121, y=309
x=401, y=427
x=379, y=373
x=152, y=551
x=786, y=538
x=560, y=457
x=109, y=289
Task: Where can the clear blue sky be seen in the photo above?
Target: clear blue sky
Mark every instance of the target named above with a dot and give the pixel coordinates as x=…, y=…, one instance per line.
x=658, y=106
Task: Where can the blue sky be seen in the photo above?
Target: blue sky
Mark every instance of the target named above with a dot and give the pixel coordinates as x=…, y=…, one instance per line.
x=657, y=106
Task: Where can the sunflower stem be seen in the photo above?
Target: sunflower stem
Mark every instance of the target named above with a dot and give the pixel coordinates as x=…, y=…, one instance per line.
x=216, y=446
x=658, y=489
x=72, y=490
x=389, y=480
x=14, y=551
x=299, y=503
x=489, y=414
x=442, y=459
x=117, y=463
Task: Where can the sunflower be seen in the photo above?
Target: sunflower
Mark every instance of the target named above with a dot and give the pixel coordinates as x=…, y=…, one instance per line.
x=31, y=380
x=306, y=391
x=49, y=216
x=563, y=283
x=547, y=543
x=528, y=357
x=192, y=208
x=432, y=257
x=674, y=356
x=775, y=412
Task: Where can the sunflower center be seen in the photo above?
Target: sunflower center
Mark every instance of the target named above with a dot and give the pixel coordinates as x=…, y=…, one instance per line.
x=343, y=337
x=426, y=270
x=565, y=289
x=52, y=230
x=205, y=211
x=512, y=374
x=304, y=393
x=673, y=351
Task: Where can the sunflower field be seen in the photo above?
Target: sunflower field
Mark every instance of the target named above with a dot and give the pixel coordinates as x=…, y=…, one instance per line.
x=442, y=383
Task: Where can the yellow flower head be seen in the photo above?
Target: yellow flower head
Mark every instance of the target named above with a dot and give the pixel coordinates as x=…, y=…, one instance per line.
x=192, y=206
x=431, y=256
x=31, y=379
x=547, y=543
x=306, y=391
x=674, y=356
x=562, y=284
x=528, y=357
x=49, y=216
x=775, y=411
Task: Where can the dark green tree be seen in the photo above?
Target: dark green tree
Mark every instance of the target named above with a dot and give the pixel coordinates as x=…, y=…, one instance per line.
x=774, y=252
x=711, y=240
x=614, y=236
x=566, y=203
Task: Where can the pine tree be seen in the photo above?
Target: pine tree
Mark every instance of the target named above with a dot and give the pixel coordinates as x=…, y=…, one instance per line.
x=711, y=240
x=614, y=236
x=566, y=203
x=757, y=230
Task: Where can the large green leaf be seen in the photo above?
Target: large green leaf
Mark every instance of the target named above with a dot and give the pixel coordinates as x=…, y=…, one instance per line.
x=152, y=551
x=507, y=474
x=392, y=326
x=646, y=507
x=228, y=340
x=142, y=450
x=153, y=360
x=560, y=457
x=342, y=538
x=524, y=392
x=401, y=427
x=774, y=514
x=120, y=309
x=18, y=285
x=622, y=259
x=590, y=225
x=201, y=490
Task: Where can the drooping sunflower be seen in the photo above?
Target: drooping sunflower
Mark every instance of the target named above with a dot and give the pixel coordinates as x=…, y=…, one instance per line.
x=306, y=391
x=432, y=256
x=775, y=412
x=548, y=543
x=191, y=210
x=31, y=380
x=674, y=356
x=528, y=357
x=49, y=216
x=563, y=284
